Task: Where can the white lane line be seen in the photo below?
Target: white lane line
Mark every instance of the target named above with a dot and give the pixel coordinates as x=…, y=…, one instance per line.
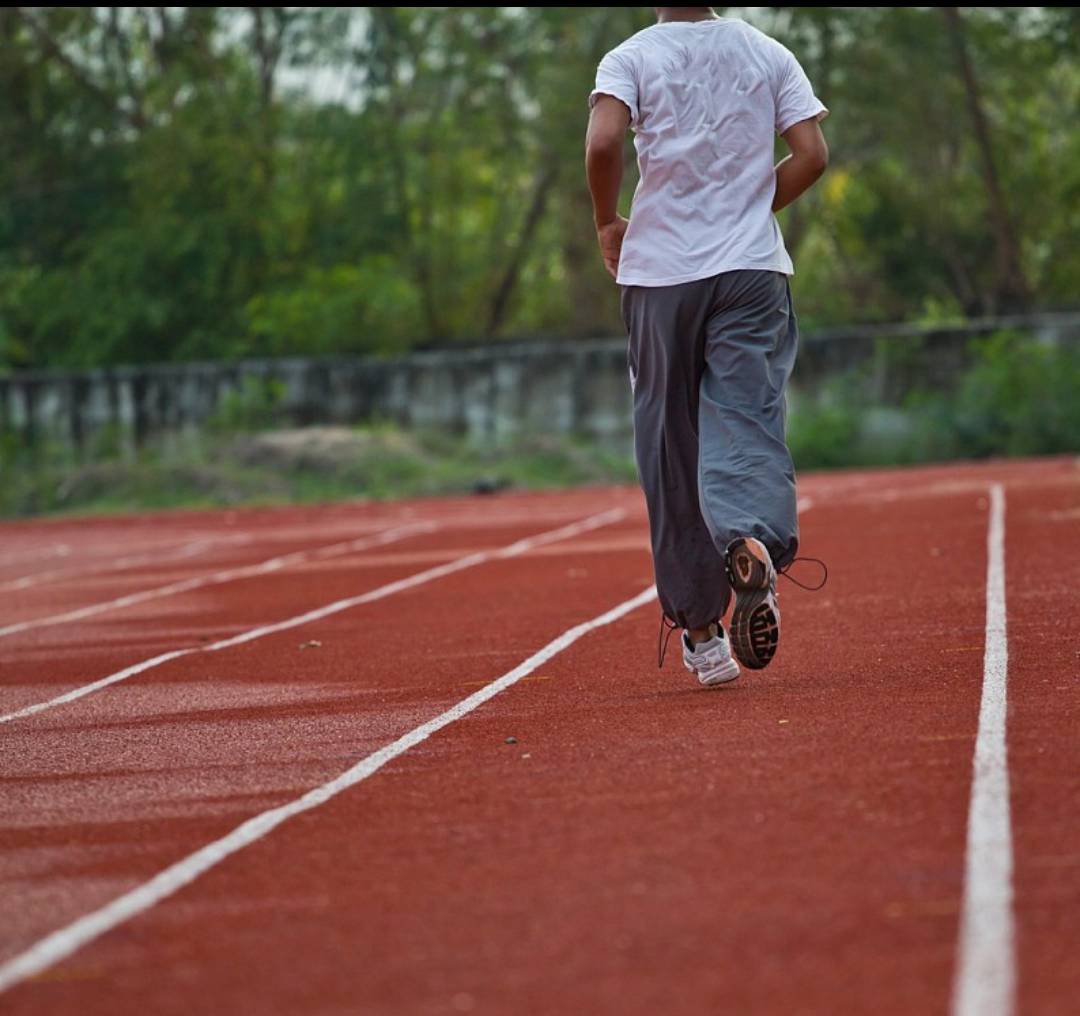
x=437, y=572
x=985, y=980
x=56, y=550
x=419, y=578
x=88, y=689
x=62, y=943
x=213, y=579
x=192, y=549
x=382, y=539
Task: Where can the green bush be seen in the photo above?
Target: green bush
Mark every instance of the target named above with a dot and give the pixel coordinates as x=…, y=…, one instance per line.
x=255, y=405
x=823, y=436
x=1021, y=397
x=1018, y=397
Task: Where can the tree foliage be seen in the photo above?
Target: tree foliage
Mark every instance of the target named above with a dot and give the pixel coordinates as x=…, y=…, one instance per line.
x=204, y=182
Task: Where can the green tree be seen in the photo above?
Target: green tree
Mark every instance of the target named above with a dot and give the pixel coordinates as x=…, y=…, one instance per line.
x=214, y=182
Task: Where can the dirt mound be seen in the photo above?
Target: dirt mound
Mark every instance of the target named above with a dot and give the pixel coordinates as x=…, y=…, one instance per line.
x=318, y=449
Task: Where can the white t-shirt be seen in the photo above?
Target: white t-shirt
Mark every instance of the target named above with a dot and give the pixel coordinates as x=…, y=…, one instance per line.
x=705, y=99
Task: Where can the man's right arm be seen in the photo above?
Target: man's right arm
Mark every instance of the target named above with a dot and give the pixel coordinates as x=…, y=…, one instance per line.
x=798, y=171
x=608, y=124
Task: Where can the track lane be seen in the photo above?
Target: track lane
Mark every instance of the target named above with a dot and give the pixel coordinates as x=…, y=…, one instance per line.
x=450, y=984
x=114, y=788
x=650, y=822
x=76, y=594
x=235, y=573
x=86, y=540
x=271, y=598
x=1043, y=575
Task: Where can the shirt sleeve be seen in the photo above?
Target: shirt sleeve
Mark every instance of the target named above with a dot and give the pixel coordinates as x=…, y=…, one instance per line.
x=794, y=96
x=615, y=76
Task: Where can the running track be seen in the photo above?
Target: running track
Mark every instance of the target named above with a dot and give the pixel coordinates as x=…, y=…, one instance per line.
x=256, y=761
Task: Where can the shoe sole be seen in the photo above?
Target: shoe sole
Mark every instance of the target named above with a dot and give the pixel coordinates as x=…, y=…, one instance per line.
x=755, y=621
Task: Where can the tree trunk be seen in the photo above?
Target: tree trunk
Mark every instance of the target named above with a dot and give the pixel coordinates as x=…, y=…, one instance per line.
x=505, y=290
x=1013, y=292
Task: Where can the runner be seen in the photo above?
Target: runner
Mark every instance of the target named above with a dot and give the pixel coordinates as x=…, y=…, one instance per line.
x=703, y=276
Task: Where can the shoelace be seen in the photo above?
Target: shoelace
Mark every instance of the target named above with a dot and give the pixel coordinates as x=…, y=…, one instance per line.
x=667, y=626
x=663, y=639
x=802, y=585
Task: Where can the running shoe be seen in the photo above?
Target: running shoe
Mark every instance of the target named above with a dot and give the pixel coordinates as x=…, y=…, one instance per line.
x=755, y=621
x=710, y=660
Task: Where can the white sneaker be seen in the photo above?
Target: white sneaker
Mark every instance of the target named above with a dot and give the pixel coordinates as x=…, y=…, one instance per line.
x=711, y=660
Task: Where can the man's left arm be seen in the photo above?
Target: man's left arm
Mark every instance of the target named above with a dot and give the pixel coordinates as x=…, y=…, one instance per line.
x=798, y=171
x=608, y=124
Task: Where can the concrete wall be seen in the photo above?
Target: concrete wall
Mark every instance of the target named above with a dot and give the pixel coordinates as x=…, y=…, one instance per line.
x=488, y=393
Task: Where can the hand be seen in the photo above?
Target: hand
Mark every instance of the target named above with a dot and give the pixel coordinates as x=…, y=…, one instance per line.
x=610, y=237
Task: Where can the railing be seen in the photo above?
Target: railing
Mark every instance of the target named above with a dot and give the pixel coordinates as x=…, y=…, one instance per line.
x=491, y=392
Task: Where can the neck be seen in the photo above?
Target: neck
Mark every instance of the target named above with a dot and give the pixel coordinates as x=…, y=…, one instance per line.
x=666, y=14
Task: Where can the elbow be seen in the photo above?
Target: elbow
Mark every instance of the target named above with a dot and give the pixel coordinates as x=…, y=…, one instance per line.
x=600, y=149
x=819, y=159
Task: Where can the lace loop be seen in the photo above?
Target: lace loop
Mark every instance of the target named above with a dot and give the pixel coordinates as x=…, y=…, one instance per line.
x=663, y=639
x=803, y=585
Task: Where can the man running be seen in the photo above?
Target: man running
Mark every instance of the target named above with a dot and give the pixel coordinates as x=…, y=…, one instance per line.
x=703, y=277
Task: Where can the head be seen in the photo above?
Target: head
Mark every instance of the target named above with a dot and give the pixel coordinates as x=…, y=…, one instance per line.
x=683, y=13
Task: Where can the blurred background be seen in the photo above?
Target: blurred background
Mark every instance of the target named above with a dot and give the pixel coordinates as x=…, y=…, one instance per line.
x=280, y=253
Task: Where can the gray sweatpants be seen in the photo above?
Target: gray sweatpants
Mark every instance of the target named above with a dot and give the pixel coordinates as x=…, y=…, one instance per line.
x=709, y=364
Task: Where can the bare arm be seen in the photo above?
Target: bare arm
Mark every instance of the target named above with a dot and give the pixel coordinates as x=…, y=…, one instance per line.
x=608, y=124
x=798, y=171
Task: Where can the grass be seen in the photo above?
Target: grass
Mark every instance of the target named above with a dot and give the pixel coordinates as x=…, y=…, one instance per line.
x=1017, y=397
x=314, y=464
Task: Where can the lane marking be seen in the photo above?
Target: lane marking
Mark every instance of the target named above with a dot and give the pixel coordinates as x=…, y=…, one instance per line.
x=985, y=980
x=214, y=579
x=229, y=575
x=428, y=574
x=95, y=546
x=56, y=550
x=192, y=549
x=68, y=940
x=88, y=689
x=505, y=510
x=389, y=589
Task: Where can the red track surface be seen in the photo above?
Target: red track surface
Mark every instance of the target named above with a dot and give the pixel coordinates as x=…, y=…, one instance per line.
x=792, y=843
